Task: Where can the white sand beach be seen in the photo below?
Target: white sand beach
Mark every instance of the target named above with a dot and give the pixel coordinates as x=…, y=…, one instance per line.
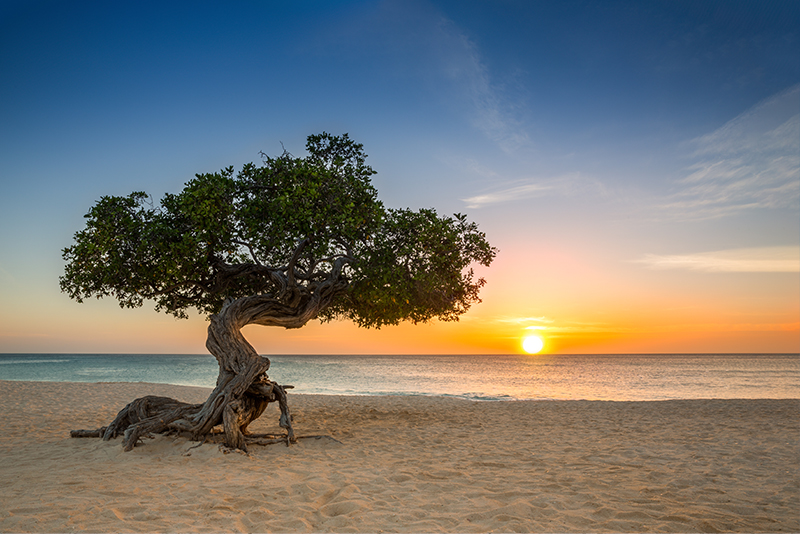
x=406, y=464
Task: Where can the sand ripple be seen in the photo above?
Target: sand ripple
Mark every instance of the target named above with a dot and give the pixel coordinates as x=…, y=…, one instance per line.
x=407, y=464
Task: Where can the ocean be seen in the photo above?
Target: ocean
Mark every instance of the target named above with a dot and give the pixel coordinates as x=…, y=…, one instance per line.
x=480, y=377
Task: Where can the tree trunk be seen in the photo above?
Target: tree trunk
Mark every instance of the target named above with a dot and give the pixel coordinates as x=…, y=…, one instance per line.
x=243, y=388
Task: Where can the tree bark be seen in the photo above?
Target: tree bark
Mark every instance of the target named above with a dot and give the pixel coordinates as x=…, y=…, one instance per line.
x=243, y=389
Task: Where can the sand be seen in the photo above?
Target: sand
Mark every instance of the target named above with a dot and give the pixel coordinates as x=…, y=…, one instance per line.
x=406, y=464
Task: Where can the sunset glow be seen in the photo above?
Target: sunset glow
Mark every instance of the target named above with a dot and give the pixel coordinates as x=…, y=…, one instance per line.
x=641, y=201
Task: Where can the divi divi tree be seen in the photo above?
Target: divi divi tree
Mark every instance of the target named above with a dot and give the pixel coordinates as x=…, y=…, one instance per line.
x=279, y=244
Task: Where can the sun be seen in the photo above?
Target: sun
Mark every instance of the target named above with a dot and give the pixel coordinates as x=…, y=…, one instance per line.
x=532, y=344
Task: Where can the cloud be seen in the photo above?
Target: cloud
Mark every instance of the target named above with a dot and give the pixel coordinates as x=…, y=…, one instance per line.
x=415, y=38
x=417, y=41
x=751, y=162
x=551, y=327
x=567, y=185
x=744, y=260
x=519, y=320
x=462, y=63
x=506, y=195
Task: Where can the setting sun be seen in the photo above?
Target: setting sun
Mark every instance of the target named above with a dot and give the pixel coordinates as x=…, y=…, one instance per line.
x=532, y=344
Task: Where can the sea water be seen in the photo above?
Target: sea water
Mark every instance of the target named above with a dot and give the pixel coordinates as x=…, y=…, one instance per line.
x=480, y=377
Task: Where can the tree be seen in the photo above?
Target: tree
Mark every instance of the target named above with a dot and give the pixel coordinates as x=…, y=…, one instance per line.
x=276, y=245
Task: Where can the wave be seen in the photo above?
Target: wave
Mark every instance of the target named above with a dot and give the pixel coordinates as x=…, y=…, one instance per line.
x=18, y=362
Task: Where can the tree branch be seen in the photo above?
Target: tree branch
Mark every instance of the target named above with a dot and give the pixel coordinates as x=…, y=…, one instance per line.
x=249, y=248
x=290, y=268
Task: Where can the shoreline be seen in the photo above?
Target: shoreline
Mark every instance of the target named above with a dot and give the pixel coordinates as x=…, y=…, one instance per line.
x=406, y=464
x=465, y=397
x=508, y=377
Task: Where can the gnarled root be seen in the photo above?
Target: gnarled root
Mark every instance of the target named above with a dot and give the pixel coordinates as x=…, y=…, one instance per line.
x=154, y=415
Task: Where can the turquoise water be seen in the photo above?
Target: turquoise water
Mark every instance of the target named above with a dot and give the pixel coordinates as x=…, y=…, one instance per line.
x=489, y=377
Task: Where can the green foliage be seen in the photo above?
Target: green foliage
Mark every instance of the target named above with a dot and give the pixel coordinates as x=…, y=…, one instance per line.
x=282, y=229
x=416, y=268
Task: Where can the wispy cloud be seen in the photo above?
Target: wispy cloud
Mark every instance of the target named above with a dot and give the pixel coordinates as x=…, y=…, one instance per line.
x=745, y=260
x=462, y=63
x=751, y=162
x=506, y=195
x=567, y=185
x=552, y=327
x=521, y=320
x=417, y=39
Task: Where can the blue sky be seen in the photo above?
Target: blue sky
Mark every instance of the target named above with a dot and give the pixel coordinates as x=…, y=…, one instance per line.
x=620, y=154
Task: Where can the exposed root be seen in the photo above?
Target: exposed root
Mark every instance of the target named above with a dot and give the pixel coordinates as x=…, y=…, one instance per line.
x=150, y=415
x=88, y=433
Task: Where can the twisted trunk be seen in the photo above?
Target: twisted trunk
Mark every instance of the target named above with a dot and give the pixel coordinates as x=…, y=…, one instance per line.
x=243, y=389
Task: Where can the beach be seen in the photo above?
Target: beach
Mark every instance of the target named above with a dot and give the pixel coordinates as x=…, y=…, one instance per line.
x=405, y=464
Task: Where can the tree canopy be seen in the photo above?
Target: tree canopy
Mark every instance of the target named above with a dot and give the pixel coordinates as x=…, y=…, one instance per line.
x=306, y=233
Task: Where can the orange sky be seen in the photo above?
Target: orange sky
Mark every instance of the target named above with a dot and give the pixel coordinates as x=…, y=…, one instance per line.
x=576, y=304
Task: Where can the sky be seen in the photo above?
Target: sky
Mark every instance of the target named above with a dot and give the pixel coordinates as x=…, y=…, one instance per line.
x=636, y=163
